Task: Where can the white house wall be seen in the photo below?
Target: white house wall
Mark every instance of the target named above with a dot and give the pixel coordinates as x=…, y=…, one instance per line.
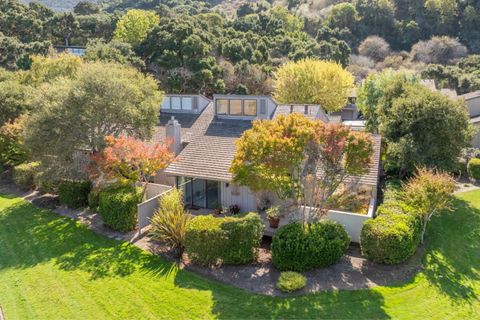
x=473, y=105
x=237, y=195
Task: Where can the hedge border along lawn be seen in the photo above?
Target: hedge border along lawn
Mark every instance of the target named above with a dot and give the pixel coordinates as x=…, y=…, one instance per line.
x=52, y=267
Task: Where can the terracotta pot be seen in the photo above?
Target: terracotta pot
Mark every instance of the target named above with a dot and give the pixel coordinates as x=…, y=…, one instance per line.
x=274, y=223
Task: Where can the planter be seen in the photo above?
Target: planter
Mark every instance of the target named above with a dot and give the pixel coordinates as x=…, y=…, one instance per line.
x=274, y=222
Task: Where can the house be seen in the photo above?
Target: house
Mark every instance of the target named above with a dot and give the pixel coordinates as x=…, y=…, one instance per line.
x=203, y=135
x=75, y=50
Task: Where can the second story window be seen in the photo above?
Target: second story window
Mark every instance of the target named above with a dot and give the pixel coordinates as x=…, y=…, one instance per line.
x=237, y=107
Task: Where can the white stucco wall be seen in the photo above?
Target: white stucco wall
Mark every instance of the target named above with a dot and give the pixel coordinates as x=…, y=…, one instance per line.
x=240, y=196
x=473, y=105
x=476, y=137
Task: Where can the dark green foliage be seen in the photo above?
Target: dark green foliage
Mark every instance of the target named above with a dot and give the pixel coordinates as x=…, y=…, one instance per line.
x=474, y=168
x=93, y=199
x=23, y=175
x=290, y=281
x=45, y=183
x=298, y=248
x=74, y=194
x=230, y=240
x=390, y=238
x=118, y=207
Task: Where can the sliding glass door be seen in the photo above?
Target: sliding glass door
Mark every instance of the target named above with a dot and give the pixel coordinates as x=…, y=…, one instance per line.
x=200, y=193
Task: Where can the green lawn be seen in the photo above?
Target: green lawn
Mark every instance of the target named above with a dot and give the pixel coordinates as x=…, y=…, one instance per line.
x=52, y=267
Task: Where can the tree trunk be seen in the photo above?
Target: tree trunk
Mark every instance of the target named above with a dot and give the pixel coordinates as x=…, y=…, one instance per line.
x=423, y=232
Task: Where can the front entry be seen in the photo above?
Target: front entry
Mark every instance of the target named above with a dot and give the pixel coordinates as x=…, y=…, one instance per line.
x=200, y=193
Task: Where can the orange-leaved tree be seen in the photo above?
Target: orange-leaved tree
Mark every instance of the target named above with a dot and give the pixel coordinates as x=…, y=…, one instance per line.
x=300, y=159
x=130, y=160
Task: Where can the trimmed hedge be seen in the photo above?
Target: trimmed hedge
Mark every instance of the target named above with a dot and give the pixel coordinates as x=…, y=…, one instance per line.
x=473, y=168
x=23, y=175
x=118, y=207
x=290, y=281
x=74, y=194
x=230, y=240
x=318, y=245
x=390, y=238
x=46, y=184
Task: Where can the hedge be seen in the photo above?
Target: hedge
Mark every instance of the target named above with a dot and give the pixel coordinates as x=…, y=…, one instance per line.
x=390, y=238
x=229, y=240
x=473, y=168
x=319, y=244
x=46, y=184
x=118, y=207
x=74, y=194
x=23, y=175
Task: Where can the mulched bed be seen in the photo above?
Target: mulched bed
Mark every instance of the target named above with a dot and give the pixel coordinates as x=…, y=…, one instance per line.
x=352, y=272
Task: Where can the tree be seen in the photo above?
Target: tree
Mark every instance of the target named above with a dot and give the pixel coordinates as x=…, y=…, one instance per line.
x=374, y=47
x=377, y=92
x=48, y=69
x=135, y=25
x=104, y=99
x=12, y=149
x=300, y=159
x=84, y=8
x=429, y=192
x=343, y=15
x=130, y=160
x=424, y=128
x=440, y=50
x=311, y=81
x=13, y=100
x=64, y=26
x=113, y=51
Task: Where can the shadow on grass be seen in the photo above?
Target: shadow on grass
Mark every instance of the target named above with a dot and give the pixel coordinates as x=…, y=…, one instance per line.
x=452, y=262
x=30, y=236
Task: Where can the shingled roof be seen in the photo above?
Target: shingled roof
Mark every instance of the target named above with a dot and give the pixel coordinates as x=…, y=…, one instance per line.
x=211, y=148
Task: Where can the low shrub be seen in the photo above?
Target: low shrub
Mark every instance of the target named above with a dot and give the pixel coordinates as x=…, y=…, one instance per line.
x=45, y=184
x=93, y=199
x=474, y=168
x=118, y=207
x=229, y=240
x=23, y=175
x=290, y=281
x=319, y=244
x=390, y=238
x=74, y=194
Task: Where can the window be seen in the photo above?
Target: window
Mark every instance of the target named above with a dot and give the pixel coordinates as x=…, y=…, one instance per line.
x=235, y=107
x=222, y=106
x=187, y=103
x=176, y=103
x=166, y=103
x=250, y=107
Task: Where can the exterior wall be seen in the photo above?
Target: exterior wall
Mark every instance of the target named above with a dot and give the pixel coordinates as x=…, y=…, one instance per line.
x=201, y=102
x=476, y=137
x=350, y=112
x=473, y=105
x=269, y=103
x=238, y=195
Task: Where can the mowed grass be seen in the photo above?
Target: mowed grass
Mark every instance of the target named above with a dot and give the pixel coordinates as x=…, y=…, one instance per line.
x=53, y=268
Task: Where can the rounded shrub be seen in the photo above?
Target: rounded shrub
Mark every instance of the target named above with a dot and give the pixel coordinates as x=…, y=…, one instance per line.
x=74, y=194
x=23, y=175
x=390, y=238
x=300, y=248
x=118, y=207
x=290, y=281
x=473, y=168
x=93, y=199
x=230, y=240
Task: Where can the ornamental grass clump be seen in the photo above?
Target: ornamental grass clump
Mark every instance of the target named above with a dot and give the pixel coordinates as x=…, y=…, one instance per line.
x=290, y=281
x=169, y=222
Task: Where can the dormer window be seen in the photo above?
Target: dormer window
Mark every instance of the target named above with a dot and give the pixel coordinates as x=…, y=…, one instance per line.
x=237, y=107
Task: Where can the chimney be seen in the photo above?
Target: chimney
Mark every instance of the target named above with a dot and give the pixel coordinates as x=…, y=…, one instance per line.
x=173, y=134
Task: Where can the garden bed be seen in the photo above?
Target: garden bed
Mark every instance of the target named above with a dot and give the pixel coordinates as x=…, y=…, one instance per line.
x=352, y=272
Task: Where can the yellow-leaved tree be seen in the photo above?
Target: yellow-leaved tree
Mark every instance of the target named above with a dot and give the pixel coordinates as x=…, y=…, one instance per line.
x=135, y=25
x=312, y=81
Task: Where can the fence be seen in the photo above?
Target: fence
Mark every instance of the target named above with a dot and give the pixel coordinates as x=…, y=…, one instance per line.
x=147, y=208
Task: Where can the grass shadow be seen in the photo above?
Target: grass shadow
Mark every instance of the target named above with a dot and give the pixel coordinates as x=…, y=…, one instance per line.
x=452, y=260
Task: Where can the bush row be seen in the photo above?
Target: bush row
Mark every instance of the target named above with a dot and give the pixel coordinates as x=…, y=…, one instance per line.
x=230, y=240
x=473, y=168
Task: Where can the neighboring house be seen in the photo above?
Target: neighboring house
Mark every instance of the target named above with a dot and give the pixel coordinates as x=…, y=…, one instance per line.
x=75, y=50
x=472, y=100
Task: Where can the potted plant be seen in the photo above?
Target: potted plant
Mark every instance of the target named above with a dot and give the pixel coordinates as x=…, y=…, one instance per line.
x=273, y=215
x=234, y=209
x=217, y=209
